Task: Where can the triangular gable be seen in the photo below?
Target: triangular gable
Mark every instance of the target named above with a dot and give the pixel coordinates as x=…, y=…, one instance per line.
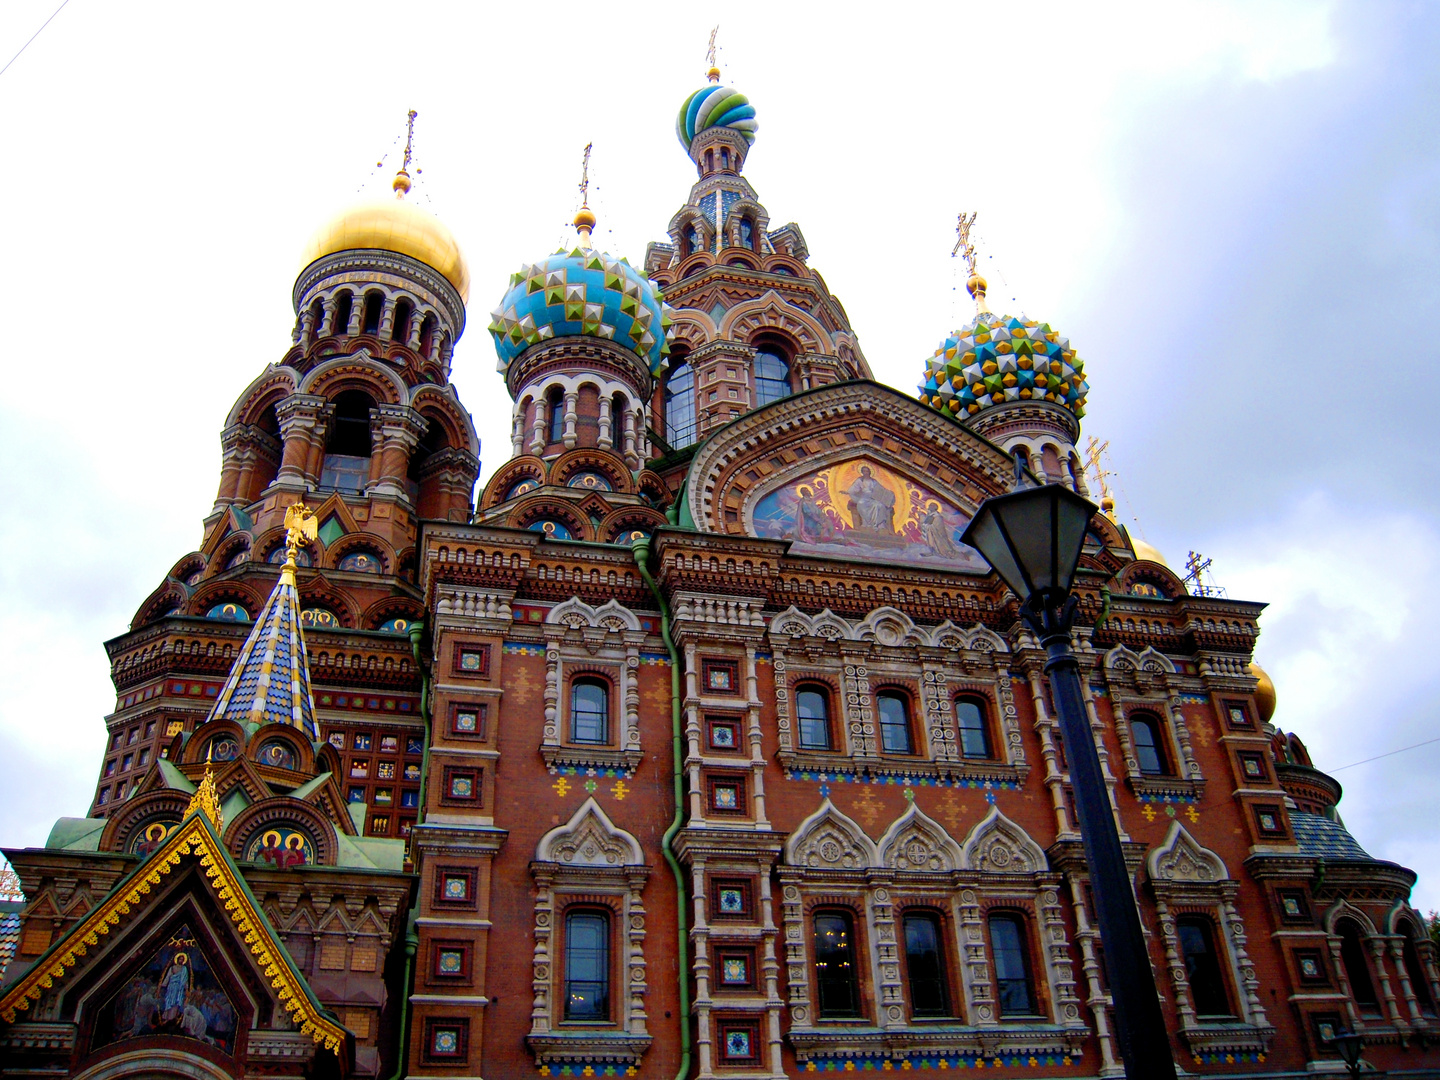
x=270, y=680
x=195, y=839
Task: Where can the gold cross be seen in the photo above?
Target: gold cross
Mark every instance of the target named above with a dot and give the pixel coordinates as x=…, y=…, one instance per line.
x=710, y=52
x=963, y=247
x=585, y=177
x=409, y=138
x=1093, y=451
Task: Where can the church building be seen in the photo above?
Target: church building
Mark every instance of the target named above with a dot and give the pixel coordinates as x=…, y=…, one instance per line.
x=695, y=743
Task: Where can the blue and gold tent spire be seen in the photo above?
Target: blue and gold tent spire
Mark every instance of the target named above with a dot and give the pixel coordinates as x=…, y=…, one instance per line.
x=270, y=681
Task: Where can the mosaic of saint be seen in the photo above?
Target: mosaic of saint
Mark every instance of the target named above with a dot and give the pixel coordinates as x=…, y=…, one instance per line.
x=282, y=848
x=174, y=994
x=860, y=509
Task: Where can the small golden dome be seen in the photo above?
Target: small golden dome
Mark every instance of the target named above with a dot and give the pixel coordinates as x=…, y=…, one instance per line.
x=401, y=183
x=1264, y=693
x=977, y=284
x=585, y=218
x=1107, y=505
x=713, y=74
x=1148, y=552
x=398, y=226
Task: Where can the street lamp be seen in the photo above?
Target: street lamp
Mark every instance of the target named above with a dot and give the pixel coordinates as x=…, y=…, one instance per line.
x=1032, y=538
x=1349, y=1044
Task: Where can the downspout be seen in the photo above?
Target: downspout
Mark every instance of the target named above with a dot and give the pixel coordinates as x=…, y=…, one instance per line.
x=641, y=550
x=412, y=939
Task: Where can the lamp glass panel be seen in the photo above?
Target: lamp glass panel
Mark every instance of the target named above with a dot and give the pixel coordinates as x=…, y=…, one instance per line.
x=985, y=536
x=1028, y=521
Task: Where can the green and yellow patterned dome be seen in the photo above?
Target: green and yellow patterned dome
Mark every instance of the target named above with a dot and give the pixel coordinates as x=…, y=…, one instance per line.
x=998, y=358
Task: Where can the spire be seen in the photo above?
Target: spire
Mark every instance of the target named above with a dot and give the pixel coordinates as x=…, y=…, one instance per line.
x=964, y=248
x=205, y=800
x=270, y=681
x=585, y=217
x=401, y=183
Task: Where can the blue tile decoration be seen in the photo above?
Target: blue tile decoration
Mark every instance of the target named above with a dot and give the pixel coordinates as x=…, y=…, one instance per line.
x=1318, y=835
x=923, y=1062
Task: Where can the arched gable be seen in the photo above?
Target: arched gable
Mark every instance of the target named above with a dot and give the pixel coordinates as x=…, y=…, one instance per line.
x=915, y=841
x=998, y=846
x=611, y=615
x=271, y=386
x=589, y=838
x=1183, y=858
x=828, y=840
x=359, y=371
x=771, y=311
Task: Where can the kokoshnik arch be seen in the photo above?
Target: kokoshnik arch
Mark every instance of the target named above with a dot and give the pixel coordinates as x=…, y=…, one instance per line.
x=698, y=744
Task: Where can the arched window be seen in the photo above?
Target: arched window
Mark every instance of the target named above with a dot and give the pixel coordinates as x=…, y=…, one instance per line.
x=1415, y=969
x=680, y=406
x=974, y=731
x=317, y=316
x=618, y=407
x=344, y=304
x=587, y=965
x=812, y=706
x=555, y=402
x=1149, y=748
x=1013, y=985
x=1202, y=966
x=692, y=240
x=347, y=449
x=589, y=711
x=428, y=327
x=772, y=378
x=709, y=161
x=925, y=964
x=836, y=982
x=374, y=304
x=1357, y=970
x=894, y=724
x=724, y=158
x=747, y=233
x=400, y=331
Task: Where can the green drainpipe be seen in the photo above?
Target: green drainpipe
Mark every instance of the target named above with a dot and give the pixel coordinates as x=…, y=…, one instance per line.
x=641, y=550
x=412, y=939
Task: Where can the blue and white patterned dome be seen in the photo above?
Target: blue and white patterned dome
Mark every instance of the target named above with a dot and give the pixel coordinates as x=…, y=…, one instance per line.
x=582, y=293
x=715, y=106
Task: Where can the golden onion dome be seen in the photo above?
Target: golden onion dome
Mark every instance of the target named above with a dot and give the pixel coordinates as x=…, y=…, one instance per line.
x=398, y=226
x=1264, y=693
x=1148, y=552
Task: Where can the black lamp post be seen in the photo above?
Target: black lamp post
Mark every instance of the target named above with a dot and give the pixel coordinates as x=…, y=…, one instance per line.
x=1032, y=537
x=1349, y=1045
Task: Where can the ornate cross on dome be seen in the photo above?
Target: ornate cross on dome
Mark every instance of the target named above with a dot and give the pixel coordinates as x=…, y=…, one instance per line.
x=402, y=178
x=713, y=72
x=585, y=177
x=1094, y=450
x=963, y=247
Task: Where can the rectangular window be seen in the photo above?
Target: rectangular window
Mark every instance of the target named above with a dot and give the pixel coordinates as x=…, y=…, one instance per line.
x=150, y=729
x=412, y=771
x=357, y=794
x=414, y=745
x=134, y=734
x=894, y=724
x=455, y=886
x=472, y=660
x=380, y=825
x=731, y=899
x=974, y=736
x=1202, y=966
x=384, y=795
x=360, y=770
x=735, y=968
x=129, y=760
x=812, y=706
x=589, y=712
x=1012, y=965
x=925, y=964
x=739, y=1041
x=587, y=965
x=836, y=976
x=410, y=799
x=724, y=733
x=115, y=742
x=468, y=721
x=337, y=740
x=144, y=758
x=110, y=767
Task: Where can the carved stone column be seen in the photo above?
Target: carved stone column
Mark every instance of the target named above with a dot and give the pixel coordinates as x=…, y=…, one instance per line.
x=571, y=398
x=304, y=423
x=395, y=432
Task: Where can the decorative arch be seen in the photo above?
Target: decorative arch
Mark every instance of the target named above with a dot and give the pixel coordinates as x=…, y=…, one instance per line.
x=589, y=838
x=915, y=841
x=828, y=840
x=589, y=459
x=611, y=615
x=439, y=405
x=389, y=608
x=225, y=592
x=1183, y=858
x=528, y=467
x=889, y=626
x=616, y=527
x=300, y=747
x=537, y=507
x=1160, y=578
x=772, y=312
x=129, y=823
x=1343, y=909
x=999, y=846
x=693, y=327
x=352, y=542
x=792, y=267
x=278, y=812
x=317, y=592
x=358, y=371
x=168, y=598
x=269, y=388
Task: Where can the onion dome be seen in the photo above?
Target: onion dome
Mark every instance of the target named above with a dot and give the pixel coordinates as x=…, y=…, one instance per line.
x=398, y=226
x=998, y=358
x=1147, y=552
x=582, y=293
x=715, y=106
x=1264, y=693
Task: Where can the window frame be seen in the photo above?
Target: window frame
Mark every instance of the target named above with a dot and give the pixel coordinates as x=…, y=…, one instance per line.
x=847, y=918
x=1017, y=919
x=1371, y=1004
x=770, y=381
x=579, y=681
x=821, y=691
x=1154, y=725
x=982, y=707
x=554, y=416
x=906, y=706
x=1220, y=983
x=681, y=435
x=942, y=977
x=606, y=918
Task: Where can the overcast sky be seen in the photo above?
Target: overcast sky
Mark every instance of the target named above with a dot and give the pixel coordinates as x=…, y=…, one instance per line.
x=1232, y=210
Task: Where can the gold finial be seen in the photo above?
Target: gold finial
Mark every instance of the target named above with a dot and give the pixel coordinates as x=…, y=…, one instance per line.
x=585, y=217
x=402, y=178
x=965, y=249
x=205, y=799
x=714, y=73
x=300, y=526
x=1093, y=451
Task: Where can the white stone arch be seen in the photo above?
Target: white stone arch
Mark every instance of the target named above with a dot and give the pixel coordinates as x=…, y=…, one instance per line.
x=792, y=622
x=949, y=636
x=983, y=639
x=888, y=626
x=772, y=311
x=589, y=838
x=831, y=626
x=828, y=840
x=915, y=841
x=611, y=615
x=1152, y=659
x=1182, y=858
x=362, y=358
x=1343, y=909
x=1121, y=659
x=999, y=846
